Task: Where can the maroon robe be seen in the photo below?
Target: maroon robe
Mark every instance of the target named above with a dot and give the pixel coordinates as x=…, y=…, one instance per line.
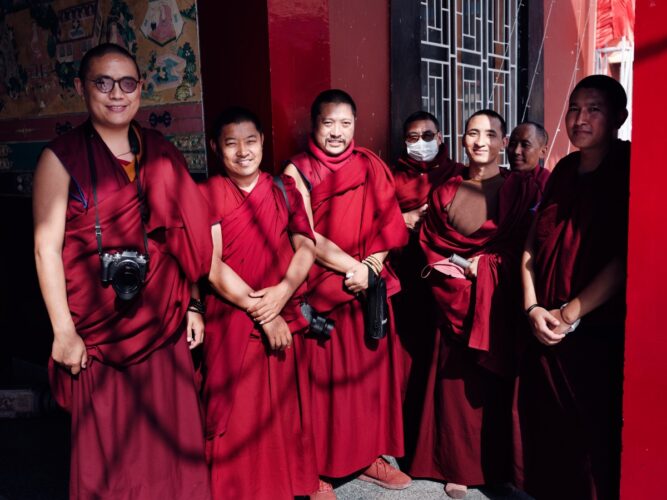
x=137, y=428
x=569, y=395
x=541, y=175
x=356, y=382
x=258, y=418
x=414, y=305
x=414, y=179
x=466, y=423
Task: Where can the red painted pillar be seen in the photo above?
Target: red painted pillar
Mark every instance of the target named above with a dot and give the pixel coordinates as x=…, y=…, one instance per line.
x=275, y=56
x=300, y=58
x=644, y=458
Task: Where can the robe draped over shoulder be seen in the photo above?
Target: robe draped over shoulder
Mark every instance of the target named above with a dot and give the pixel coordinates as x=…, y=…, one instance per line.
x=137, y=429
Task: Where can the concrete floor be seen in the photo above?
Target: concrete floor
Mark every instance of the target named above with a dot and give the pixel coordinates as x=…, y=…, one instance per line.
x=420, y=489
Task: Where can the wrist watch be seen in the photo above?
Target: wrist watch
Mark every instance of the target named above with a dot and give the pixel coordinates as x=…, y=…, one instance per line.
x=573, y=326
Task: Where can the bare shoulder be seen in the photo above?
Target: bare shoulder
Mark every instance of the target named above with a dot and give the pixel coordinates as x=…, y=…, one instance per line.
x=50, y=173
x=294, y=173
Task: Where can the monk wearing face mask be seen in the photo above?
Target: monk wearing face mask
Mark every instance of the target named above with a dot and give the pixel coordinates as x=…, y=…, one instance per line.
x=423, y=163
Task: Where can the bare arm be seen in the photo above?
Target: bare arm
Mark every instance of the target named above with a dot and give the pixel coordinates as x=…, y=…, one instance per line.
x=224, y=279
x=50, y=194
x=544, y=325
x=602, y=288
x=273, y=298
x=231, y=287
x=327, y=253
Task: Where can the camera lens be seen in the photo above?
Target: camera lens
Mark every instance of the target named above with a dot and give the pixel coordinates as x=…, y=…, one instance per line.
x=127, y=280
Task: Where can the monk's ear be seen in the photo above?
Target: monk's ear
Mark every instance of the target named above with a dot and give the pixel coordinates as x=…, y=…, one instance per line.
x=621, y=116
x=214, y=145
x=543, y=151
x=78, y=85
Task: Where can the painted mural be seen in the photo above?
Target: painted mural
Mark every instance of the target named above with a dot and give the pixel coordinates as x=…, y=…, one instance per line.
x=41, y=46
x=42, y=43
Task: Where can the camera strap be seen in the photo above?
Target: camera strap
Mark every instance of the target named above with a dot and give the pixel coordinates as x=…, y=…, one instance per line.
x=134, y=146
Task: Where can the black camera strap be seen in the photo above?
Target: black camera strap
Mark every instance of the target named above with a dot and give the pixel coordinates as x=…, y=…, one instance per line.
x=134, y=146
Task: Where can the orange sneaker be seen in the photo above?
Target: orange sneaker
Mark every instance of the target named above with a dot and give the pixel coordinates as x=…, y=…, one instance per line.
x=324, y=492
x=383, y=474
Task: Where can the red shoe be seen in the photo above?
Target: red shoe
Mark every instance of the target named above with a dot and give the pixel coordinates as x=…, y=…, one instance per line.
x=385, y=475
x=324, y=492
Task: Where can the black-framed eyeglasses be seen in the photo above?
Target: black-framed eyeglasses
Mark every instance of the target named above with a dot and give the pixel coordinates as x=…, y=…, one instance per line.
x=105, y=84
x=428, y=136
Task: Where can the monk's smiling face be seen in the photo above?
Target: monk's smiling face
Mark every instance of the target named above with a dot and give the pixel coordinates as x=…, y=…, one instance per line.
x=483, y=140
x=334, y=128
x=590, y=120
x=115, y=108
x=240, y=148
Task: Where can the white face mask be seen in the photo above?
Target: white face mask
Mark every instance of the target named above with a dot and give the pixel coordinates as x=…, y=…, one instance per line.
x=422, y=150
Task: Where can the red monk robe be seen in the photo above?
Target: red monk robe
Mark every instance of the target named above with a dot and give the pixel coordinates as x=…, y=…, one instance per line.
x=137, y=428
x=414, y=179
x=356, y=382
x=569, y=395
x=259, y=429
x=466, y=423
x=414, y=306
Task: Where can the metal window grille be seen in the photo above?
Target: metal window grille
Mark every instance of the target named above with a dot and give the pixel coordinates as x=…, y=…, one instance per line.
x=468, y=62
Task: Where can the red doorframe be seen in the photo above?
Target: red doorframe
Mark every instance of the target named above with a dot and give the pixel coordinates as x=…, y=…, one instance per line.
x=644, y=458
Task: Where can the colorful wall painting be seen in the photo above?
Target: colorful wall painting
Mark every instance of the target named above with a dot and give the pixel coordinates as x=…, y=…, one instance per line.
x=41, y=46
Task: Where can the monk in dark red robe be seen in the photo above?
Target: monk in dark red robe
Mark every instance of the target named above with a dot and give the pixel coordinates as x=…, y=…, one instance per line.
x=258, y=419
x=355, y=380
x=527, y=149
x=122, y=367
x=478, y=214
x=570, y=382
x=424, y=163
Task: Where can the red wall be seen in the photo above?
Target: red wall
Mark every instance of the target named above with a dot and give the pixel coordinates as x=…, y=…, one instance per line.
x=300, y=69
x=234, y=47
x=359, y=33
x=275, y=56
x=644, y=458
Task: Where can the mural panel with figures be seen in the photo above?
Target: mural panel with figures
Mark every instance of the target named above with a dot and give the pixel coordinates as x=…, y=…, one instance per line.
x=41, y=46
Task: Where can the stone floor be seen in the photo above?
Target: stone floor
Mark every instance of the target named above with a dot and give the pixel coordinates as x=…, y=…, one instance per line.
x=420, y=490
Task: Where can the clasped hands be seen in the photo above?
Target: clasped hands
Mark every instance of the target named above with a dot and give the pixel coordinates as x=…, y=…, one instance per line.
x=548, y=326
x=265, y=311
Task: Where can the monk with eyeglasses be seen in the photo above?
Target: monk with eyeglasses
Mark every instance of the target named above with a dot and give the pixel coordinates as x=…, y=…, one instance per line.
x=121, y=233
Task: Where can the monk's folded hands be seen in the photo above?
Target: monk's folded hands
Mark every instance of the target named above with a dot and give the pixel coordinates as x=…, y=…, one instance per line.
x=272, y=299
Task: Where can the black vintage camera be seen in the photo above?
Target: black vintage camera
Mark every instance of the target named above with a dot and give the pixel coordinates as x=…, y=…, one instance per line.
x=320, y=325
x=126, y=271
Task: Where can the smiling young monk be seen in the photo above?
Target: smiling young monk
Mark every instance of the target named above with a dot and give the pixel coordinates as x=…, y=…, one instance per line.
x=573, y=271
x=479, y=214
x=258, y=419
